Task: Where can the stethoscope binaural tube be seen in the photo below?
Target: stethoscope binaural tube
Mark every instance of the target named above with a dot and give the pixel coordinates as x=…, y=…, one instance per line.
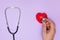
x=17, y=23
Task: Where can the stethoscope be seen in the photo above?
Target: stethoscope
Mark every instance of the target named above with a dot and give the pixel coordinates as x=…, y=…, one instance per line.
x=13, y=34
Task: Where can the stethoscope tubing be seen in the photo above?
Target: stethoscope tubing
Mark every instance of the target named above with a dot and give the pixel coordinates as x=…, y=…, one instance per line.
x=17, y=23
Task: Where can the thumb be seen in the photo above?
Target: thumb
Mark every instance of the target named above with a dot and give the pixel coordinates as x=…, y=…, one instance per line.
x=43, y=27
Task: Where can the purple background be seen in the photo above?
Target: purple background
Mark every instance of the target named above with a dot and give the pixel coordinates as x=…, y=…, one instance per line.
x=29, y=28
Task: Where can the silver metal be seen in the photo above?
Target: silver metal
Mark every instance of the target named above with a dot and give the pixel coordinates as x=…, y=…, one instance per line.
x=8, y=23
x=44, y=19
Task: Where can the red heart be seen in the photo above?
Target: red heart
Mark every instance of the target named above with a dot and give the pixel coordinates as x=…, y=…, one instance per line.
x=40, y=16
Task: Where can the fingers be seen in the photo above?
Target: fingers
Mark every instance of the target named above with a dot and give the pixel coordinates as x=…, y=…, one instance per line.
x=52, y=24
x=48, y=26
x=45, y=25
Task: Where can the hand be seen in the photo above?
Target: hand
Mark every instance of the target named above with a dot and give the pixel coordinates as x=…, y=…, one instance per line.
x=48, y=29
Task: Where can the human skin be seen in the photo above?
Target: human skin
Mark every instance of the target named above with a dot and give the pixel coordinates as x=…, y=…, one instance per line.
x=48, y=29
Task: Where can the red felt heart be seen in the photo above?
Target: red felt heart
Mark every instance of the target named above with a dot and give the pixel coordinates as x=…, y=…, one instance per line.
x=40, y=16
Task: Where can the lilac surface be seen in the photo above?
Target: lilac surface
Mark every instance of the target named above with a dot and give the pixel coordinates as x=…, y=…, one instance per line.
x=29, y=28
